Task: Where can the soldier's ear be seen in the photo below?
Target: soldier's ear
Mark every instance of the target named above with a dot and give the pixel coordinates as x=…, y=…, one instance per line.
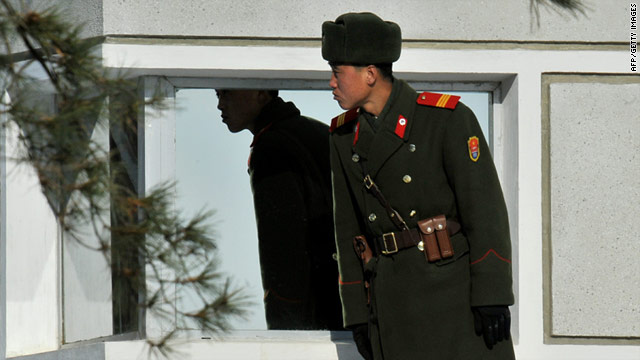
x=373, y=74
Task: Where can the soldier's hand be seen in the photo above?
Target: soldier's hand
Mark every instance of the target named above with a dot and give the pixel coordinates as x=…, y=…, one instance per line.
x=493, y=323
x=361, y=338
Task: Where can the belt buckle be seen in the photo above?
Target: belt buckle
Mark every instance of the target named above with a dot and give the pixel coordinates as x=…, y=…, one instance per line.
x=386, y=250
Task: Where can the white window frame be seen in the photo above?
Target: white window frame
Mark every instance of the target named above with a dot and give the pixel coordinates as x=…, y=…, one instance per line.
x=157, y=150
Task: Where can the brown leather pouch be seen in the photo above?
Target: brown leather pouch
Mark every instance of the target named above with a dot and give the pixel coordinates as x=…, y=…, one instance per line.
x=362, y=249
x=444, y=242
x=429, y=242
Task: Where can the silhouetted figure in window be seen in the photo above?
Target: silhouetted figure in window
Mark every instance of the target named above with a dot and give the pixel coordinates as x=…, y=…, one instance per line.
x=290, y=180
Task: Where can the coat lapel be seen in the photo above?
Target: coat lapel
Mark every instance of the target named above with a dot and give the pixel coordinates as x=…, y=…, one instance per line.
x=366, y=135
x=344, y=143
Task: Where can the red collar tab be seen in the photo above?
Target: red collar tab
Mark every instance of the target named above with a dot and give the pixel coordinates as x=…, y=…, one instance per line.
x=343, y=118
x=401, y=126
x=438, y=100
x=355, y=137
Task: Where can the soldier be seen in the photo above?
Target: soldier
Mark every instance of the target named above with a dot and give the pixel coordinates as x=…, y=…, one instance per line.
x=289, y=170
x=421, y=223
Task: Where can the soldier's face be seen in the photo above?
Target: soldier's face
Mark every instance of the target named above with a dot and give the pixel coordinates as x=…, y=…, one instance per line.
x=239, y=108
x=349, y=84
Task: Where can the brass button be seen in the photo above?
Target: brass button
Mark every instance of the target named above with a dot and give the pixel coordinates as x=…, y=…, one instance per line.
x=412, y=213
x=372, y=217
x=406, y=179
x=439, y=226
x=421, y=246
x=412, y=147
x=355, y=157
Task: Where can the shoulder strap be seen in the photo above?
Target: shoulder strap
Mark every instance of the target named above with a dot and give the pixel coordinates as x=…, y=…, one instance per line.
x=438, y=100
x=344, y=118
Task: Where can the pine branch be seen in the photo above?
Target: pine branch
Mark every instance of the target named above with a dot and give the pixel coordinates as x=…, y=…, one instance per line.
x=570, y=5
x=573, y=7
x=146, y=243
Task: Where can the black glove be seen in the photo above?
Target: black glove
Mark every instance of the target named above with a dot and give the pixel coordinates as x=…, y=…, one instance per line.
x=361, y=338
x=493, y=323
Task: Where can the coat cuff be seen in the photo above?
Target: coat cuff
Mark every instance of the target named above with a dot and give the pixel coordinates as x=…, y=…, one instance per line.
x=354, y=303
x=491, y=282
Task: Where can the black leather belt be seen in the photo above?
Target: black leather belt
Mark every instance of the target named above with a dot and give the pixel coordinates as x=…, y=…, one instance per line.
x=393, y=242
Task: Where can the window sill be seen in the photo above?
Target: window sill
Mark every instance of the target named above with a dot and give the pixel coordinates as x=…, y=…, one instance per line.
x=282, y=345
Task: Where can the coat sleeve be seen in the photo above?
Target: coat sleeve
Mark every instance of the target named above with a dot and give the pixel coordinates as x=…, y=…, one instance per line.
x=346, y=222
x=481, y=209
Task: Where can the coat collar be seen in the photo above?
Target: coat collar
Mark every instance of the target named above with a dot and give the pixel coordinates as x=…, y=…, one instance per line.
x=375, y=147
x=273, y=112
x=394, y=127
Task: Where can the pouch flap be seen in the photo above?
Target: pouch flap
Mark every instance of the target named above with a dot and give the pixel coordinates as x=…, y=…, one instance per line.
x=426, y=226
x=440, y=222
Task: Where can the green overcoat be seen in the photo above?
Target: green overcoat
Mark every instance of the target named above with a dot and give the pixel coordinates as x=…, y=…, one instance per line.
x=425, y=163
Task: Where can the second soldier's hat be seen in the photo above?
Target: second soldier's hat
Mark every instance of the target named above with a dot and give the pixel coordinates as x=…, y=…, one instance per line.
x=362, y=39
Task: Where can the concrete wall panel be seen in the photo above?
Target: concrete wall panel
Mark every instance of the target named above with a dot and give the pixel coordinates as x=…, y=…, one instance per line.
x=419, y=19
x=594, y=197
x=85, y=13
x=463, y=20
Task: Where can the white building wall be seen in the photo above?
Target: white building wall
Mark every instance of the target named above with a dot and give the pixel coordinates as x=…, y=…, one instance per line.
x=436, y=20
x=31, y=259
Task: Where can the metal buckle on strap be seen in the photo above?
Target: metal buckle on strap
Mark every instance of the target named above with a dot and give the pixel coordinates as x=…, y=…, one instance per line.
x=368, y=182
x=386, y=250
